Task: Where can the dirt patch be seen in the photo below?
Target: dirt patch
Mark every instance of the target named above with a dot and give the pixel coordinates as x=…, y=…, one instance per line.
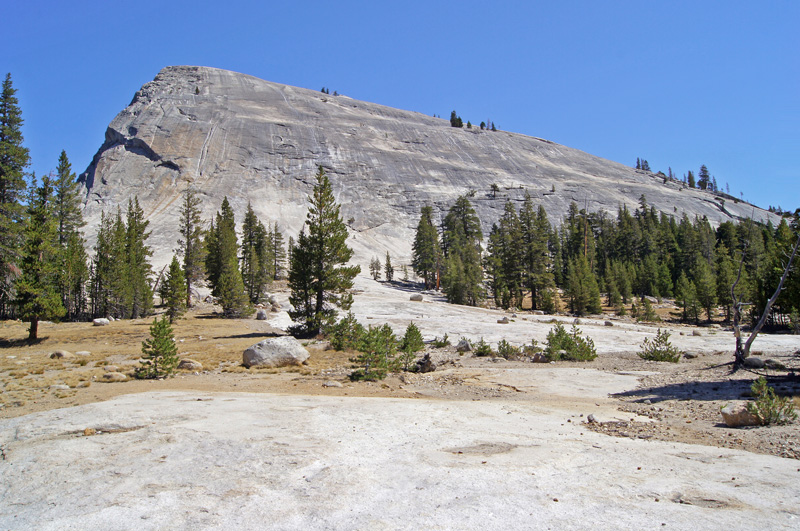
x=659, y=401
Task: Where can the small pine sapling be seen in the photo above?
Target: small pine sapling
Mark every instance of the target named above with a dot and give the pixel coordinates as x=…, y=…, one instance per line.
x=377, y=356
x=159, y=353
x=563, y=345
x=410, y=345
x=769, y=408
x=660, y=349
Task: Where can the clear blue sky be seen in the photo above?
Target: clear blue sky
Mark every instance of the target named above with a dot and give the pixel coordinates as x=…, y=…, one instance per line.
x=679, y=83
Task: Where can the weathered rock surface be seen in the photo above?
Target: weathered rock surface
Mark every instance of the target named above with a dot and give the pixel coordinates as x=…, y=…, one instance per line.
x=273, y=352
x=261, y=315
x=190, y=365
x=229, y=134
x=736, y=415
x=101, y=321
x=464, y=346
x=112, y=377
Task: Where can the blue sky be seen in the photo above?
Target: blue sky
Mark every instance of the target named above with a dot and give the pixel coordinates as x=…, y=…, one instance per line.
x=678, y=83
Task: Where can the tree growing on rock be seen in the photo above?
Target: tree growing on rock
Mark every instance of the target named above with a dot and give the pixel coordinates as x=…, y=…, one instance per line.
x=427, y=256
x=190, y=246
x=319, y=280
x=388, y=268
x=375, y=268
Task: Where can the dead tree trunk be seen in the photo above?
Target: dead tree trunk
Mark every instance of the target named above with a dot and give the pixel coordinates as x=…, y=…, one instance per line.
x=743, y=349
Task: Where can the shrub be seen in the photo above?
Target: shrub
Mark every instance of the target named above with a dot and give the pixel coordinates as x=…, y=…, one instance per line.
x=482, y=348
x=769, y=408
x=346, y=334
x=507, y=350
x=563, y=345
x=441, y=343
x=159, y=353
x=660, y=349
x=533, y=348
x=410, y=345
x=377, y=354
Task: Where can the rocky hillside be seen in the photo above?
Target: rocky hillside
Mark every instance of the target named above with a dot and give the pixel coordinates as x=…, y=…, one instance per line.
x=229, y=134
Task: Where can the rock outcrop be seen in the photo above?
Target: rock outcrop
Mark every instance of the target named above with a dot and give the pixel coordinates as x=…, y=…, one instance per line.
x=283, y=351
x=229, y=134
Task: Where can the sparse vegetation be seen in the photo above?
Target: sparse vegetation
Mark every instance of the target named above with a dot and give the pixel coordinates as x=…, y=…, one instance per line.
x=482, y=348
x=769, y=408
x=377, y=354
x=441, y=343
x=659, y=348
x=347, y=334
x=507, y=350
x=563, y=345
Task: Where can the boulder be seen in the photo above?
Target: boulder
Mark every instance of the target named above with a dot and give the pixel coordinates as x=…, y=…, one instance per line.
x=83, y=353
x=425, y=364
x=736, y=415
x=504, y=320
x=754, y=363
x=576, y=322
x=696, y=333
x=261, y=315
x=61, y=354
x=190, y=365
x=416, y=297
x=274, y=352
x=111, y=377
x=608, y=323
x=464, y=346
x=101, y=321
x=539, y=357
x=332, y=383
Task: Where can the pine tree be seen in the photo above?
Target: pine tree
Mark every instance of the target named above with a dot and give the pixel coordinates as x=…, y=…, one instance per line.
x=137, y=293
x=37, y=287
x=173, y=290
x=160, y=352
x=388, y=269
x=704, y=179
x=375, y=268
x=190, y=246
x=427, y=254
x=73, y=272
x=14, y=158
x=690, y=179
x=319, y=280
x=706, y=286
x=582, y=287
x=410, y=344
x=255, y=262
x=461, y=242
x=277, y=252
x=536, y=258
x=228, y=285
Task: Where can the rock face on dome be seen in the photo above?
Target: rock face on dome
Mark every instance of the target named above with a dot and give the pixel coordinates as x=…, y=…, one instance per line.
x=229, y=134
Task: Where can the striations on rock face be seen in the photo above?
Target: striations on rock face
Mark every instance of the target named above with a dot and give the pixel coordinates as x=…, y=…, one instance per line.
x=229, y=134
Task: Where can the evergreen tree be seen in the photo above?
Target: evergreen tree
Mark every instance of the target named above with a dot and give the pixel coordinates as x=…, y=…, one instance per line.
x=375, y=268
x=686, y=297
x=319, y=280
x=705, y=285
x=277, y=252
x=536, y=257
x=582, y=289
x=461, y=242
x=160, y=352
x=455, y=120
x=190, y=246
x=410, y=345
x=37, y=287
x=228, y=285
x=690, y=179
x=173, y=290
x=703, y=178
x=73, y=273
x=255, y=261
x=388, y=269
x=14, y=158
x=137, y=295
x=426, y=259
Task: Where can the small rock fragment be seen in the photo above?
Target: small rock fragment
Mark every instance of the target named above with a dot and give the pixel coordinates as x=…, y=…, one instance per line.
x=736, y=415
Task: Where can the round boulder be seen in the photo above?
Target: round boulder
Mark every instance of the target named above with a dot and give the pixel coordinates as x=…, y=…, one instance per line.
x=101, y=321
x=464, y=346
x=261, y=315
x=111, y=377
x=416, y=297
x=61, y=354
x=736, y=415
x=190, y=365
x=283, y=351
